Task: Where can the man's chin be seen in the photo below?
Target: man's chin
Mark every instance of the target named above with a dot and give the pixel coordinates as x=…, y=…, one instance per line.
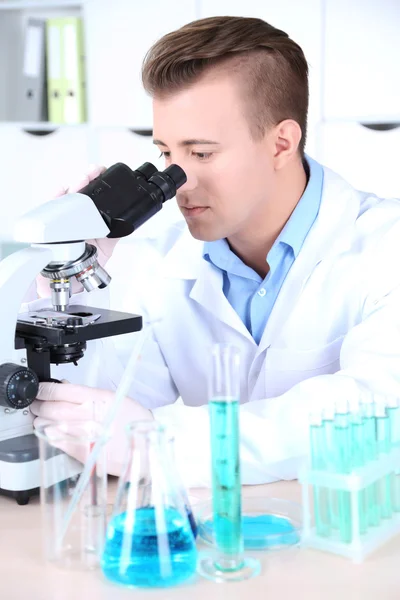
x=202, y=234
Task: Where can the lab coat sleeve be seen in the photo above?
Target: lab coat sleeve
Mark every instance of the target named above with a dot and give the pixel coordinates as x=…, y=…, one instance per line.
x=151, y=382
x=274, y=431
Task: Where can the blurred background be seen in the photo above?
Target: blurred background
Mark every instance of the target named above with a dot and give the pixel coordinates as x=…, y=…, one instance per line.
x=71, y=94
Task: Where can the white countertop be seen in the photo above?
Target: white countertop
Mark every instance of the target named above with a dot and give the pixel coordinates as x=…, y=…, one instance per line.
x=296, y=573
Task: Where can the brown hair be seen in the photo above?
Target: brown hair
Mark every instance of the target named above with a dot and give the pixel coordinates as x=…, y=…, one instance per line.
x=272, y=67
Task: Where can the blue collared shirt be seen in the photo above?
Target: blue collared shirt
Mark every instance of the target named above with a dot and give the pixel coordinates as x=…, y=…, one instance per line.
x=252, y=297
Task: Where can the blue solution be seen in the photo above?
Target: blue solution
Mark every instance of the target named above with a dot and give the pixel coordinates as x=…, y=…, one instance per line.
x=146, y=567
x=192, y=521
x=226, y=487
x=264, y=531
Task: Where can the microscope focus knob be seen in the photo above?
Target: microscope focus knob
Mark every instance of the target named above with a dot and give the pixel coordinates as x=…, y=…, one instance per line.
x=18, y=386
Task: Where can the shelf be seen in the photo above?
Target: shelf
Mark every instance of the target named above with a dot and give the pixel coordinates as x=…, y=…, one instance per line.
x=48, y=126
x=388, y=119
x=24, y=4
x=38, y=125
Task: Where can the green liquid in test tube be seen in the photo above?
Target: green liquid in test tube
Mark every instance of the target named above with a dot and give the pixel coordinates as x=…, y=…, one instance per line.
x=342, y=446
x=393, y=409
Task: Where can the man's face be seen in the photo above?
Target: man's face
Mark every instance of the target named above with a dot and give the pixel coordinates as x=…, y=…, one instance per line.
x=204, y=130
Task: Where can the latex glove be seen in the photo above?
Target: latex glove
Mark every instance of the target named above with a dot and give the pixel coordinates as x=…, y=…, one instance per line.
x=105, y=246
x=69, y=402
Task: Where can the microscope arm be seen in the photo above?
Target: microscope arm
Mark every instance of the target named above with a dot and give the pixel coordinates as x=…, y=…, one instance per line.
x=65, y=219
x=17, y=272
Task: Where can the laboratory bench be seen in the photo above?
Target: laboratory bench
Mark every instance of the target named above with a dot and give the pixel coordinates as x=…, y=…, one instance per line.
x=287, y=574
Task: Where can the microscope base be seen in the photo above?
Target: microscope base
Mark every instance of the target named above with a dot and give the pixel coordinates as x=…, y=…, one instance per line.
x=20, y=467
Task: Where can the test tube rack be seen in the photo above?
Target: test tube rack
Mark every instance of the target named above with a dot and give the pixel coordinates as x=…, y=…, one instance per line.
x=359, y=480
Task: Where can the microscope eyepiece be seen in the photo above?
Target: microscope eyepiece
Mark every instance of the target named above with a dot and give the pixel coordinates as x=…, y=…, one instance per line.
x=169, y=180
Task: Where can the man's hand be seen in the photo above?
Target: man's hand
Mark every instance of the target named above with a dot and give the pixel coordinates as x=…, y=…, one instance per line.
x=68, y=402
x=105, y=246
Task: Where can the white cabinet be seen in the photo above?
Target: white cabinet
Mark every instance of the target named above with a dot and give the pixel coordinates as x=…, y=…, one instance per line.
x=300, y=20
x=367, y=158
x=362, y=60
x=120, y=34
x=120, y=144
x=33, y=167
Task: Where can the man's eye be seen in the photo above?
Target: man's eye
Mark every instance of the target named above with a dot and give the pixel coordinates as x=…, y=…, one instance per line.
x=165, y=154
x=203, y=155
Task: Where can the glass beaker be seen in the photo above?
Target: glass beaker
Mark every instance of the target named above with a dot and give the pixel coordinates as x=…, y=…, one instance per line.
x=79, y=541
x=149, y=541
x=179, y=483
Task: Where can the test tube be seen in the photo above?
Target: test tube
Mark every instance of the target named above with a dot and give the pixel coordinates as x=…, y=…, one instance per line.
x=393, y=409
x=229, y=562
x=383, y=443
x=357, y=424
x=342, y=433
x=328, y=420
x=370, y=454
x=318, y=463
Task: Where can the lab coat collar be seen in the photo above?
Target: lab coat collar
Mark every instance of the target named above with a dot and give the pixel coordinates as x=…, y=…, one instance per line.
x=185, y=261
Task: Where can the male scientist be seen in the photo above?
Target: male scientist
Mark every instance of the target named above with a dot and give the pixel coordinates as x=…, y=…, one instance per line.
x=276, y=255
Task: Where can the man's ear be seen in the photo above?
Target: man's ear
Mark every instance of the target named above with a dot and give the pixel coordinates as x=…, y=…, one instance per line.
x=286, y=137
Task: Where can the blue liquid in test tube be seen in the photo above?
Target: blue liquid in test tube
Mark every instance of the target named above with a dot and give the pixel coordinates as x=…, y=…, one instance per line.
x=358, y=461
x=228, y=563
x=370, y=454
x=342, y=445
x=226, y=480
x=318, y=463
x=393, y=409
x=382, y=423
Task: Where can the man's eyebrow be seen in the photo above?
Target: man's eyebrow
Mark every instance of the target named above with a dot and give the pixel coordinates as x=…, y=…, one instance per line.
x=191, y=142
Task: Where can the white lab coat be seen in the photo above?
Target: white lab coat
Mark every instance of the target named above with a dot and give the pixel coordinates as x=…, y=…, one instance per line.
x=334, y=329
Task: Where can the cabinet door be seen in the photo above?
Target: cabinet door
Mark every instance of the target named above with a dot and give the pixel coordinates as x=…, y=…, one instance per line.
x=33, y=168
x=300, y=20
x=118, y=35
x=367, y=158
x=362, y=54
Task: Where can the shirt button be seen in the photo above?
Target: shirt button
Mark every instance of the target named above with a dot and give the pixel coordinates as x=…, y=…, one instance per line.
x=262, y=292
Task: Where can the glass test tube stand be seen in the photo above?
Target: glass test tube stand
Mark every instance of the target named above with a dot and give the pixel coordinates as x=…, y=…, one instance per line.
x=359, y=481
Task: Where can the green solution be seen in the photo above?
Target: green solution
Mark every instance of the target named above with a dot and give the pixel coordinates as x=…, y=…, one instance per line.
x=226, y=486
x=146, y=566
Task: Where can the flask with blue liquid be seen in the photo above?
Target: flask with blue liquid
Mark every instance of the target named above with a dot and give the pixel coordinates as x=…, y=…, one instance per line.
x=149, y=540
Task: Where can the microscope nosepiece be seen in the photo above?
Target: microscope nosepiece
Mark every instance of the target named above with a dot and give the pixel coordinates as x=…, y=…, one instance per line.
x=87, y=271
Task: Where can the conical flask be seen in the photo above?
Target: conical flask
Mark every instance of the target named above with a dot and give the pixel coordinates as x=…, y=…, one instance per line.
x=149, y=540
